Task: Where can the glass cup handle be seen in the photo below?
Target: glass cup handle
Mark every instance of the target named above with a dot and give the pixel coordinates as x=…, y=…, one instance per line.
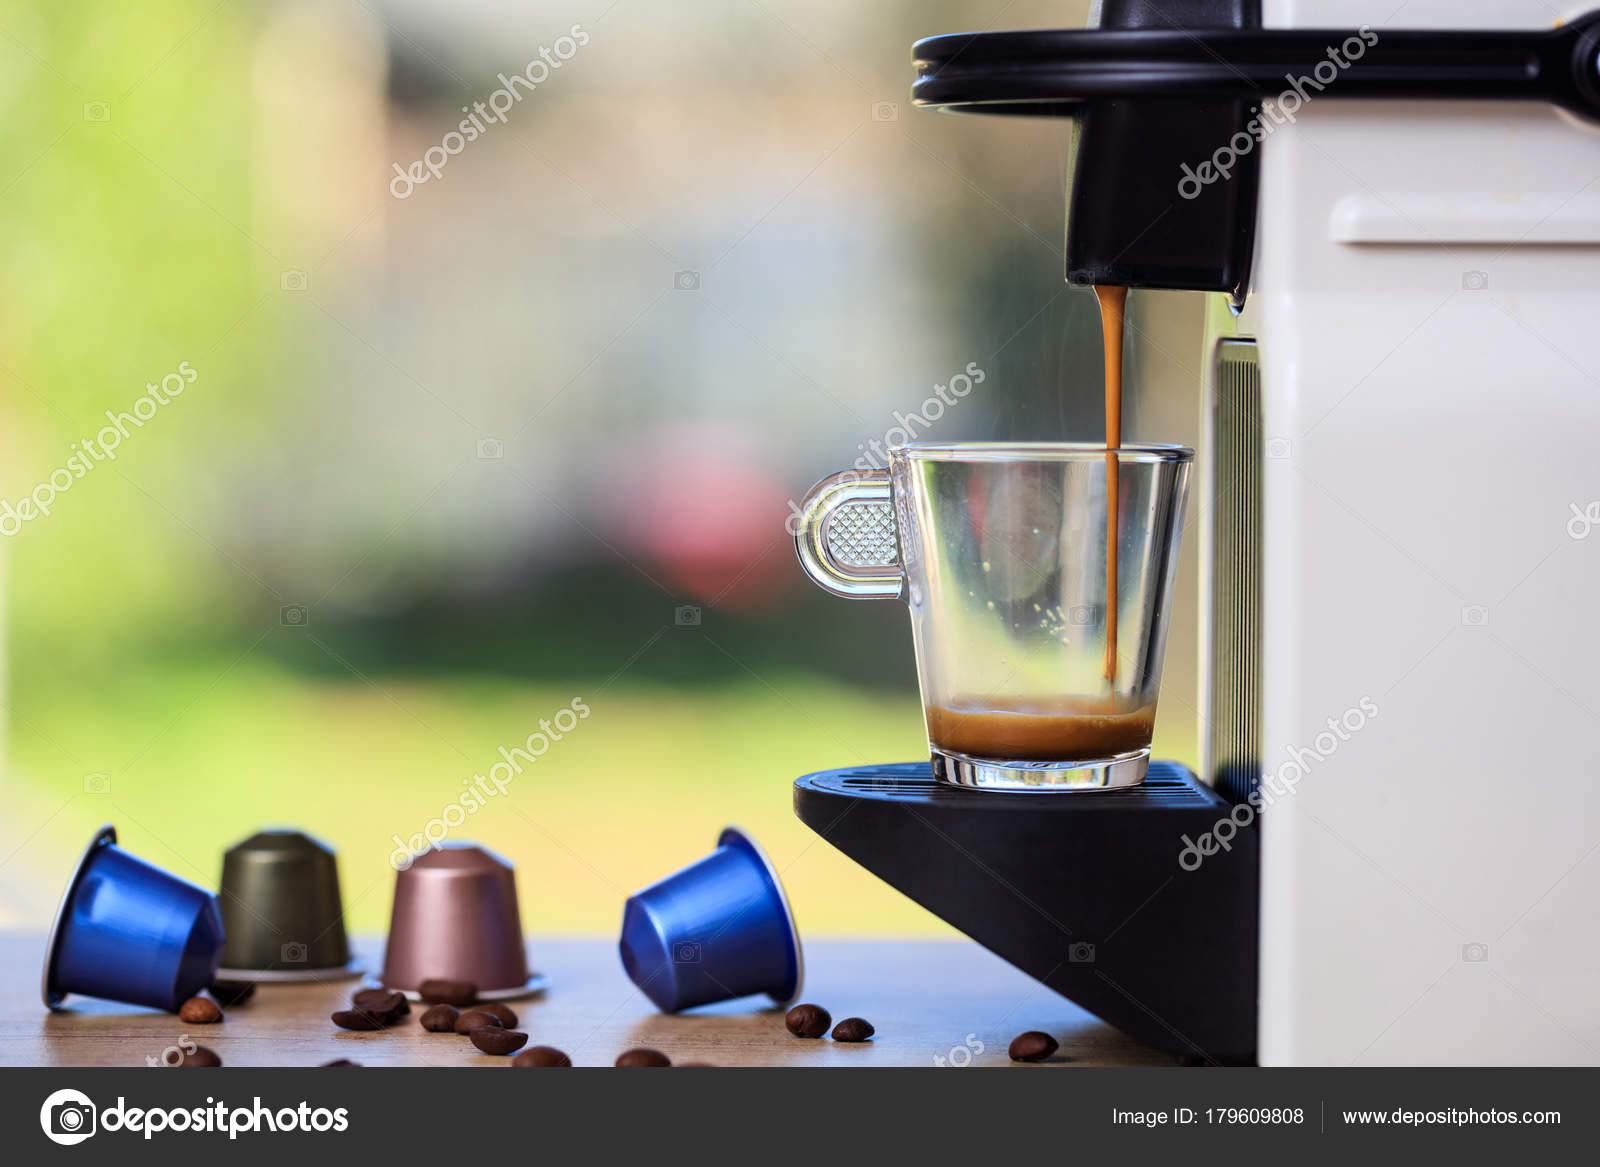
x=846, y=536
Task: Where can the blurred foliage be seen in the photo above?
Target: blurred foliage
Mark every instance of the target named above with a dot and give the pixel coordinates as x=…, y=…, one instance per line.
x=152, y=680
x=166, y=163
x=129, y=191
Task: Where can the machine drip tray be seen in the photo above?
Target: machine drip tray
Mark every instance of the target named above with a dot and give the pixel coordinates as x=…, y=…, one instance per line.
x=1138, y=904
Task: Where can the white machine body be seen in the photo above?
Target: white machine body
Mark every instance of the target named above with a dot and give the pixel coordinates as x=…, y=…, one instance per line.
x=1425, y=488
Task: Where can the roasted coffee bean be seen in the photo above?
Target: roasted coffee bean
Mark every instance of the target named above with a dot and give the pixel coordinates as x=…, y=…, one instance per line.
x=443, y=992
x=231, y=993
x=492, y=1039
x=495, y=1009
x=808, y=1020
x=199, y=1011
x=440, y=1018
x=357, y=1019
x=199, y=1056
x=382, y=1001
x=477, y=1019
x=340, y=1062
x=652, y=1058
x=1032, y=1046
x=543, y=1056
x=385, y=1013
x=387, y=1007
x=853, y=1029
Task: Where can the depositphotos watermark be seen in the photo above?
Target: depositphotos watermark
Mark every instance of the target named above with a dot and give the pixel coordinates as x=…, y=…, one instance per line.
x=1273, y=113
x=480, y=788
x=173, y=1055
x=1279, y=784
x=69, y=1117
x=960, y=1056
x=906, y=428
x=90, y=452
x=483, y=114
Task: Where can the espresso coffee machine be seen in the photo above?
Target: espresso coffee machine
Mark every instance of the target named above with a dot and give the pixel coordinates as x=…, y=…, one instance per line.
x=1392, y=852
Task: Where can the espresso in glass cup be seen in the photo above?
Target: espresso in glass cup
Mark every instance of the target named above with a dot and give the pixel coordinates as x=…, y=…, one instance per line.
x=1039, y=602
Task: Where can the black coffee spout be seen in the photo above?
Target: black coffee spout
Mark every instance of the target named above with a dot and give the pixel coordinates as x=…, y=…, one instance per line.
x=1128, y=223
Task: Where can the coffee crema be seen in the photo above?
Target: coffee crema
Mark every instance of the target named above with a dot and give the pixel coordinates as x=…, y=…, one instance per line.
x=1046, y=729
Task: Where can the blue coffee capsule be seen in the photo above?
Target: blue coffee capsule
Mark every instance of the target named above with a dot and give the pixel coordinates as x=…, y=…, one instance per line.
x=721, y=928
x=129, y=931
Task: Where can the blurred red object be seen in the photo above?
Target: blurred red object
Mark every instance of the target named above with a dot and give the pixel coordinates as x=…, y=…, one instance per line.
x=696, y=509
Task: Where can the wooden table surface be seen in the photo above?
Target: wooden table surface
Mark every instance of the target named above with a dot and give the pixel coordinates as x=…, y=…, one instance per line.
x=929, y=1000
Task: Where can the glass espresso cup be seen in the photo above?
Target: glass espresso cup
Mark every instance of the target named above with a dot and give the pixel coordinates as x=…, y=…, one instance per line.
x=1039, y=577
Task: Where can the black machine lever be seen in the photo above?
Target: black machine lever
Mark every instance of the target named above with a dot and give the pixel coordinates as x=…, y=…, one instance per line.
x=1028, y=72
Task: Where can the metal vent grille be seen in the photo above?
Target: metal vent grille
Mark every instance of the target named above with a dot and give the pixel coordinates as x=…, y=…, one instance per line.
x=861, y=534
x=1235, y=488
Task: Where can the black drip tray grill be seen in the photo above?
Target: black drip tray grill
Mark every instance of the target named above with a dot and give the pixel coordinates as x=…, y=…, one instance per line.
x=1094, y=893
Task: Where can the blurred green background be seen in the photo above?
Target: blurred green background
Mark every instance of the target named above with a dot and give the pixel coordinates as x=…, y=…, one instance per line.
x=529, y=434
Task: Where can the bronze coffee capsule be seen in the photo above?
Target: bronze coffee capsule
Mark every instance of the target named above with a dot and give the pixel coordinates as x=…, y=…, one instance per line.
x=281, y=910
x=456, y=918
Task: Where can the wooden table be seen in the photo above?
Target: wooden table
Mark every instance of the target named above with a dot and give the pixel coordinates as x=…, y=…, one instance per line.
x=931, y=1001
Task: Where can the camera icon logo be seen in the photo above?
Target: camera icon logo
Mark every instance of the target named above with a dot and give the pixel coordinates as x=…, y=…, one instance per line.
x=1081, y=953
x=686, y=952
x=885, y=111
x=491, y=449
x=293, y=280
x=97, y=111
x=1583, y=520
x=1081, y=614
x=1475, y=616
x=97, y=784
x=68, y=1117
x=960, y=1056
x=293, y=952
x=686, y=281
x=686, y=616
x=1279, y=449
x=294, y=616
x=1474, y=281
x=1475, y=953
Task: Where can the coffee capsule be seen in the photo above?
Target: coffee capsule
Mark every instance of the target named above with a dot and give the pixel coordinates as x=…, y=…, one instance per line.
x=720, y=928
x=455, y=918
x=282, y=912
x=129, y=931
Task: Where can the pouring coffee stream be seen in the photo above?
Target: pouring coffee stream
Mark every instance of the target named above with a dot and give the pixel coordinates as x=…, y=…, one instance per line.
x=1113, y=301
